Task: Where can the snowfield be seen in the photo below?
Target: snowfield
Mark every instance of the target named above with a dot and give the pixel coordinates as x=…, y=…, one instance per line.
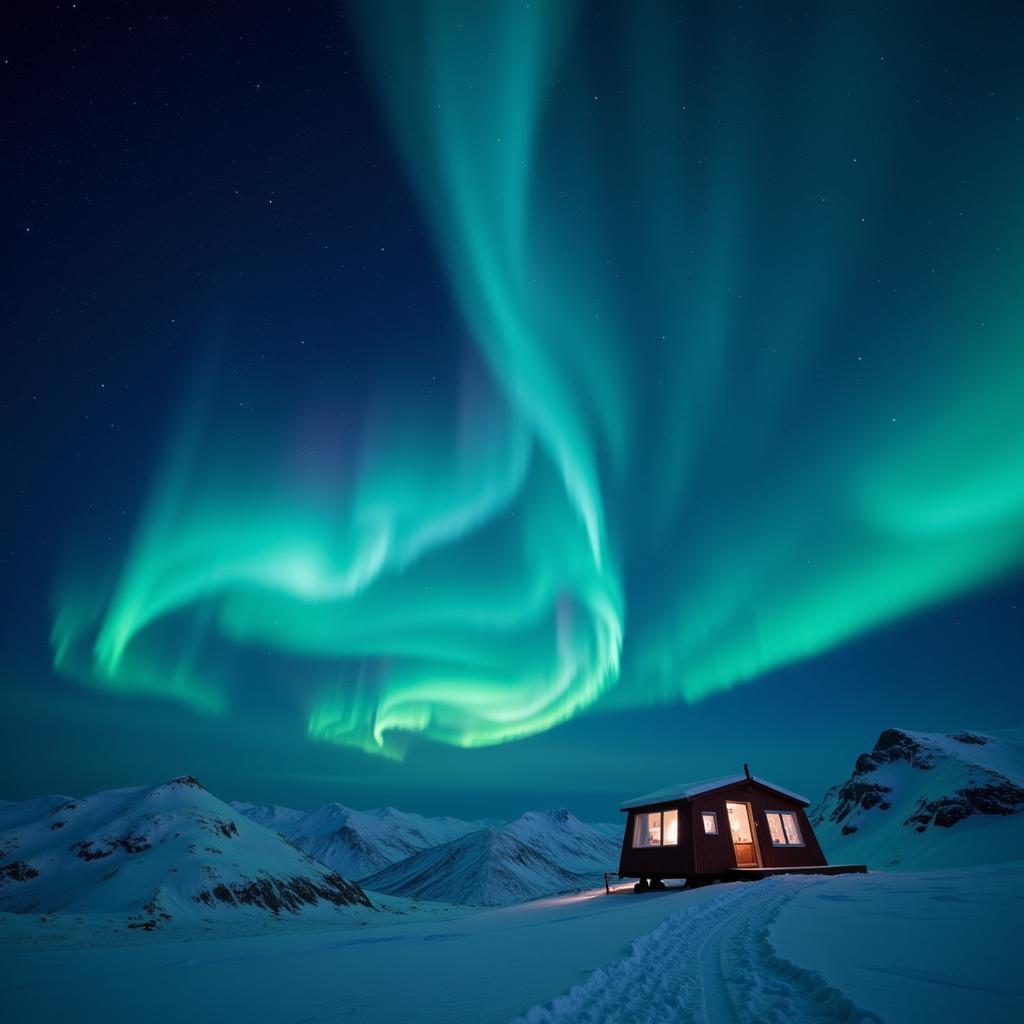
x=934, y=946
x=247, y=926
x=901, y=948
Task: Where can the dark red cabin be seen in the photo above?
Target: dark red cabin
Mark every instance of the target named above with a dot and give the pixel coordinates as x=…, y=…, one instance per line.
x=740, y=825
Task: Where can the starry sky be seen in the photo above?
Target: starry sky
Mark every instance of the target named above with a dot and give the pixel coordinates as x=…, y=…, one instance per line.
x=481, y=407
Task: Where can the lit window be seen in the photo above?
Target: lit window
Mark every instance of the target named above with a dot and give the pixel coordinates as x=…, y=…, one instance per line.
x=784, y=828
x=710, y=823
x=671, y=833
x=659, y=828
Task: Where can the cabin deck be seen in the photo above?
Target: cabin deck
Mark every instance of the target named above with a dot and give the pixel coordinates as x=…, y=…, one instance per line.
x=756, y=874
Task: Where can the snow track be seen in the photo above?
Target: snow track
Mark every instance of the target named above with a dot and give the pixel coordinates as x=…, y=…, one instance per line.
x=712, y=964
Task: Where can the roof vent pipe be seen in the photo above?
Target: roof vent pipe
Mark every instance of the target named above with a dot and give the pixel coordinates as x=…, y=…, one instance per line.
x=746, y=770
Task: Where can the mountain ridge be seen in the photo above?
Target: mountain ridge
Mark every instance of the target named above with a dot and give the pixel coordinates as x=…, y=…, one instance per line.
x=928, y=799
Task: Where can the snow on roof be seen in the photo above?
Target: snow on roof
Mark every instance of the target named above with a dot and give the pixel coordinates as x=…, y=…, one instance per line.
x=684, y=790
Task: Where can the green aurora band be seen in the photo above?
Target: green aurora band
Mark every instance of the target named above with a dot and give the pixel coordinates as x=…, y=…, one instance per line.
x=726, y=398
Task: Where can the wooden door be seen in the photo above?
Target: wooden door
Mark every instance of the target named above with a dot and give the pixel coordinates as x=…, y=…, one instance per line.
x=742, y=828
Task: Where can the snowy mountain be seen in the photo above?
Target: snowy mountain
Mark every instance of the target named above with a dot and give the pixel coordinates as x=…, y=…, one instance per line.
x=928, y=800
x=272, y=816
x=358, y=843
x=568, y=842
x=156, y=854
x=488, y=868
x=611, y=829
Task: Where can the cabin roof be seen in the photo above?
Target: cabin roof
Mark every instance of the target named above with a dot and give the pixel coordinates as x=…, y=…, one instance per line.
x=685, y=790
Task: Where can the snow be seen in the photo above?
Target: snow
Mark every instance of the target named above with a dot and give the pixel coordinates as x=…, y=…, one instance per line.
x=924, y=800
x=359, y=843
x=682, y=790
x=487, y=868
x=151, y=855
x=903, y=949
x=897, y=947
x=939, y=946
x=271, y=815
x=935, y=943
x=430, y=967
x=572, y=844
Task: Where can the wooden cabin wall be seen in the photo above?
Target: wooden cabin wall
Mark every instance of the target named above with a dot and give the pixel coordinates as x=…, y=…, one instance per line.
x=761, y=800
x=658, y=861
x=701, y=854
x=711, y=854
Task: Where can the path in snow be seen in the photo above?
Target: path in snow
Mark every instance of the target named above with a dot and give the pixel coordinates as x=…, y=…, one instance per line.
x=709, y=963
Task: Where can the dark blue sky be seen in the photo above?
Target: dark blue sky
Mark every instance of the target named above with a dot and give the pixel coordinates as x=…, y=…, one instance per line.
x=224, y=199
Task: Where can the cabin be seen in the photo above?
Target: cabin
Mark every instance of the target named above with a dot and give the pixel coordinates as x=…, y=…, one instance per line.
x=737, y=827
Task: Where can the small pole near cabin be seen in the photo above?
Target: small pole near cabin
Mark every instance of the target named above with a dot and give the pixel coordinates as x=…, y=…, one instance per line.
x=746, y=770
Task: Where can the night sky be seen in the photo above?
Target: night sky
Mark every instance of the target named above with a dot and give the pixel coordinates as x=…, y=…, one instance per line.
x=479, y=407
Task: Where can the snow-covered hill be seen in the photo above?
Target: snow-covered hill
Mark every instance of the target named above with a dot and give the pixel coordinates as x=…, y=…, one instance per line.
x=156, y=854
x=358, y=843
x=928, y=800
x=568, y=842
x=280, y=819
x=488, y=868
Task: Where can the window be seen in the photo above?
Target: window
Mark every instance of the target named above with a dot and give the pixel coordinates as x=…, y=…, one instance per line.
x=659, y=828
x=710, y=819
x=783, y=828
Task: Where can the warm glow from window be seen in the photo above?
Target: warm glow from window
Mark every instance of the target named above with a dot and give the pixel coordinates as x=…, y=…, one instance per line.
x=671, y=828
x=784, y=828
x=659, y=828
x=710, y=823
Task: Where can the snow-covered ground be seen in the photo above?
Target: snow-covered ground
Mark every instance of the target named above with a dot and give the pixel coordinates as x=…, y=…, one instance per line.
x=900, y=948
x=905, y=947
x=931, y=941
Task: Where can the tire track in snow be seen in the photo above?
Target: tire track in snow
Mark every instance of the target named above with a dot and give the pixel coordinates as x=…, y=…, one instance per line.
x=712, y=964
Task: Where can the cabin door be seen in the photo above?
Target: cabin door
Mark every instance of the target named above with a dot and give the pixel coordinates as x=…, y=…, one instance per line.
x=742, y=835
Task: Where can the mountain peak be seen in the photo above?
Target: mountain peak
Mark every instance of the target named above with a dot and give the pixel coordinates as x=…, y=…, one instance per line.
x=157, y=853
x=907, y=795
x=186, y=780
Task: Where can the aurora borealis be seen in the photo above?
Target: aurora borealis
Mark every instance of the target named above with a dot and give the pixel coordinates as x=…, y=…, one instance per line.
x=702, y=360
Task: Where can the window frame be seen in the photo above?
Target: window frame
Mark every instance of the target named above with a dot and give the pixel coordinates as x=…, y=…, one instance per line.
x=647, y=814
x=787, y=845
x=713, y=815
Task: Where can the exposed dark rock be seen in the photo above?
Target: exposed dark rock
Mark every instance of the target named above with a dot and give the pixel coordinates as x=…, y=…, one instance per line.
x=291, y=894
x=893, y=745
x=228, y=829
x=88, y=850
x=19, y=871
x=970, y=737
x=855, y=795
x=998, y=797
x=186, y=780
x=136, y=844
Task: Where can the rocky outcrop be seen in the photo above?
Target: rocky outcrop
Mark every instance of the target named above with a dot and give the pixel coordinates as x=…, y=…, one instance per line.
x=912, y=788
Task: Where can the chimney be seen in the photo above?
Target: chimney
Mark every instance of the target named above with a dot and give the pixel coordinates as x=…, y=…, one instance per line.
x=746, y=770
